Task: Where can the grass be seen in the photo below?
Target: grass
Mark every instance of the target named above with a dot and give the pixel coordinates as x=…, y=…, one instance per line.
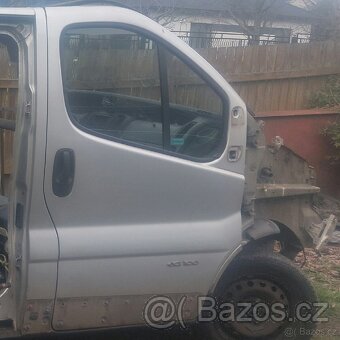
x=322, y=273
x=332, y=297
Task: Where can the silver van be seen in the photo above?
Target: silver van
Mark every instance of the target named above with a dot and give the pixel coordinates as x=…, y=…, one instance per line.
x=135, y=188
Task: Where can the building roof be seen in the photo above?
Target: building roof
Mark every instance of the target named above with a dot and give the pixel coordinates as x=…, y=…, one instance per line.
x=279, y=8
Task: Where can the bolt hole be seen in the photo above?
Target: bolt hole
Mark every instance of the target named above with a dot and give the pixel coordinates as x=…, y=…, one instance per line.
x=250, y=283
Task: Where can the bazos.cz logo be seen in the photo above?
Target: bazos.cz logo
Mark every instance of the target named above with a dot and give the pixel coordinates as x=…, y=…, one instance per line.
x=162, y=312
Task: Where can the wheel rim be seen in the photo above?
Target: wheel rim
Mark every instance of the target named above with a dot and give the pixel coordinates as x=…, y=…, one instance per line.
x=255, y=292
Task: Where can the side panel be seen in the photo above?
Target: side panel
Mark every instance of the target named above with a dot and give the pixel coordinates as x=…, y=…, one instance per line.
x=133, y=213
x=43, y=250
x=33, y=244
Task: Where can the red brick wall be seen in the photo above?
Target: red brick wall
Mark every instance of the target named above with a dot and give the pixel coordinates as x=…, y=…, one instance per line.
x=301, y=131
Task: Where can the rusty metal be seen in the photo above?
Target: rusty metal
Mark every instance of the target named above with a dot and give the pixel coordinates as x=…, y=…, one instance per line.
x=38, y=316
x=112, y=311
x=280, y=186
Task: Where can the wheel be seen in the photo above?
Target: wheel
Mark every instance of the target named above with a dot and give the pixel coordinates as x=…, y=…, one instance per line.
x=259, y=282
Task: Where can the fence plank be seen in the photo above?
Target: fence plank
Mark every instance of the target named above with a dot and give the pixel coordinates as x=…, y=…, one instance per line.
x=269, y=78
x=8, y=83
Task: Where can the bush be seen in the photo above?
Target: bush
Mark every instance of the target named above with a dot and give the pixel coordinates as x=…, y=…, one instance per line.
x=332, y=131
x=329, y=96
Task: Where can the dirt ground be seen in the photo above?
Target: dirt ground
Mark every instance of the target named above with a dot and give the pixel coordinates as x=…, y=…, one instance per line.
x=324, y=271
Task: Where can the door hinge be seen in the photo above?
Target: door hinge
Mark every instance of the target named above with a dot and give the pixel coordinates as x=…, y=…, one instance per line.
x=28, y=108
x=19, y=215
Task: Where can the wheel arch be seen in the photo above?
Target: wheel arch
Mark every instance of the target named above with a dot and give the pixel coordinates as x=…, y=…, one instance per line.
x=262, y=235
x=290, y=240
x=283, y=234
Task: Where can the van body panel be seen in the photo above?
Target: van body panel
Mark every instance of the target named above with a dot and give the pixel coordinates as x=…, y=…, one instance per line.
x=133, y=212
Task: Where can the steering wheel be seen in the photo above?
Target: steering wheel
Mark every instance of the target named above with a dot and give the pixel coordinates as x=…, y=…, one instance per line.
x=190, y=134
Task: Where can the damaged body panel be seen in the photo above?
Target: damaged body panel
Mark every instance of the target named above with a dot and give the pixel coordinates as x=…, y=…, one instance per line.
x=284, y=192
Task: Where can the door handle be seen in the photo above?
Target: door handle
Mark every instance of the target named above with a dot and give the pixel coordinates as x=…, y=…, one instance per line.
x=63, y=172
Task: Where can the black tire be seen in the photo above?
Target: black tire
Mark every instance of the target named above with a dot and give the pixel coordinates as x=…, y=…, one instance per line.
x=269, y=272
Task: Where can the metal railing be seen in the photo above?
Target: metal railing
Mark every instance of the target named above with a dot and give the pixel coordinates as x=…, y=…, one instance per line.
x=222, y=39
x=196, y=40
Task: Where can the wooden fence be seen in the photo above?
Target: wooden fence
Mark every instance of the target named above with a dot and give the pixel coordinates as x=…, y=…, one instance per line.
x=269, y=78
x=8, y=105
x=278, y=77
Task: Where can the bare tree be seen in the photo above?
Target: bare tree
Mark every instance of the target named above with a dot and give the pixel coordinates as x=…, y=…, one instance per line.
x=253, y=16
x=164, y=12
x=326, y=23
